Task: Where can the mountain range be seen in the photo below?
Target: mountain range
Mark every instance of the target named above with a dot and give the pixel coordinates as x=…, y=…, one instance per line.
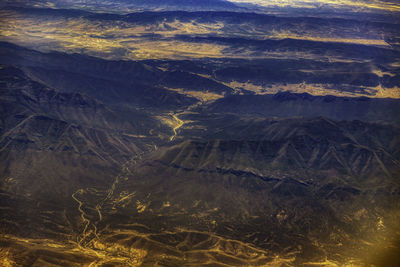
x=199, y=133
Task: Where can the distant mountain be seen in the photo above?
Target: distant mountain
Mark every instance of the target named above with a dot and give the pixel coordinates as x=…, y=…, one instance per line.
x=286, y=104
x=112, y=82
x=183, y=4
x=124, y=5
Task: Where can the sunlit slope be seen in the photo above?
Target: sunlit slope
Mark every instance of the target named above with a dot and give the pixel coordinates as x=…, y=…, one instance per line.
x=154, y=35
x=185, y=82
x=353, y=5
x=343, y=57
x=224, y=137
x=124, y=6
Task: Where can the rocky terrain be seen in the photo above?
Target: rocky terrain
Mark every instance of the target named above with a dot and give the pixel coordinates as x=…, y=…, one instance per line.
x=199, y=133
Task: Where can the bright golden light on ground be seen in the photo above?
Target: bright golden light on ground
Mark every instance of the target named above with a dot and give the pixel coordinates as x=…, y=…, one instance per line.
x=316, y=89
x=5, y=259
x=130, y=41
x=374, y=4
x=105, y=39
x=362, y=41
x=203, y=96
x=100, y=253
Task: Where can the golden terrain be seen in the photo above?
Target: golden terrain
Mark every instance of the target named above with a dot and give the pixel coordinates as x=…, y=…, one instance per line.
x=354, y=5
x=130, y=41
x=111, y=6
x=130, y=244
x=96, y=243
x=315, y=89
x=126, y=245
x=105, y=39
x=124, y=40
